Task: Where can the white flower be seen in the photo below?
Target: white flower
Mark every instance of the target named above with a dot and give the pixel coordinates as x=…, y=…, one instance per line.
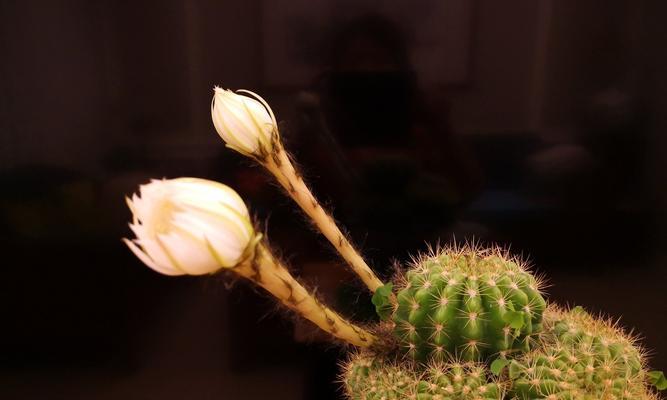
x=245, y=123
x=189, y=226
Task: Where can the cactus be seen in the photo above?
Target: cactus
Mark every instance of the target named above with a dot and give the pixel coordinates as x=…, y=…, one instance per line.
x=370, y=377
x=467, y=302
x=581, y=357
x=576, y=357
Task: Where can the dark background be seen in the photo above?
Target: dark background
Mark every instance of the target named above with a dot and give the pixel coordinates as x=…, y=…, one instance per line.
x=550, y=136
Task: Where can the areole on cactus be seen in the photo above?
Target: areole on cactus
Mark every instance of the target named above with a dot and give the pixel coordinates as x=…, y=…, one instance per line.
x=459, y=323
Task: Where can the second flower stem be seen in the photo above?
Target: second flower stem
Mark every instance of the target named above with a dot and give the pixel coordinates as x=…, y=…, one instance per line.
x=281, y=167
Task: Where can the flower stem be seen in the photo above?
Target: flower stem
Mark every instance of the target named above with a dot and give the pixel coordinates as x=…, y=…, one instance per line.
x=281, y=167
x=266, y=271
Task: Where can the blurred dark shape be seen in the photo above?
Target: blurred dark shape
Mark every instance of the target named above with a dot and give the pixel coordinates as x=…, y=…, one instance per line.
x=598, y=171
x=369, y=92
x=616, y=135
x=379, y=148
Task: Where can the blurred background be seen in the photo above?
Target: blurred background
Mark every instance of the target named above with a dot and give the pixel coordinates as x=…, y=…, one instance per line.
x=536, y=124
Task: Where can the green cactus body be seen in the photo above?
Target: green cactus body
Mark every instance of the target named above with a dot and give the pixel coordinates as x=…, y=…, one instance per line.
x=471, y=304
x=581, y=358
x=372, y=378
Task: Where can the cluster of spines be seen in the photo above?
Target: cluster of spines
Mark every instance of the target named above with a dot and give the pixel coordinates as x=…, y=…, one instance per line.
x=369, y=378
x=457, y=301
x=581, y=357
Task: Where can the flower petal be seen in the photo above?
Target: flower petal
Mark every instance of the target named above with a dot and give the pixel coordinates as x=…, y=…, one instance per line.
x=148, y=261
x=191, y=255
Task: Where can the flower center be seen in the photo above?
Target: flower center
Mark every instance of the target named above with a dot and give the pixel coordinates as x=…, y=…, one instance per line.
x=160, y=222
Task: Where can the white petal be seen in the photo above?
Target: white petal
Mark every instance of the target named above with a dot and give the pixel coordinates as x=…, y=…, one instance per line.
x=227, y=251
x=241, y=130
x=200, y=191
x=192, y=255
x=263, y=103
x=231, y=120
x=149, y=262
x=224, y=219
x=258, y=111
x=228, y=243
x=156, y=252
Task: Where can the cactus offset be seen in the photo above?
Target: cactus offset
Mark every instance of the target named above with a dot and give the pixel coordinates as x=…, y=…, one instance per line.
x=469, y=303
x=581, y=357
x=370, y=377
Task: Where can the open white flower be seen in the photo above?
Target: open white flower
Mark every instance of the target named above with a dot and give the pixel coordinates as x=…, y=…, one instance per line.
x=245, y=123
x=189, y=226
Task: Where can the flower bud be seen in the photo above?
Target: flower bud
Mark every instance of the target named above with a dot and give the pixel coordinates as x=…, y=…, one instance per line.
x=189, y=226
x=245, y=123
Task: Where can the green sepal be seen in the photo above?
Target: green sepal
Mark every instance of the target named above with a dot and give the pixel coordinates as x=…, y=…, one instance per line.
x=657, y=379
x=381, y=300
x=498, y=364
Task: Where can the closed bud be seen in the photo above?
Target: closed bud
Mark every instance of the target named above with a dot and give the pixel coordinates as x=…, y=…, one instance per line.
x=189, y=226
x=244, y=121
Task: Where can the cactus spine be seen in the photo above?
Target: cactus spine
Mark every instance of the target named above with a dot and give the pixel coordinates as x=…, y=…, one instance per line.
x=369, y=377
x=469, y=303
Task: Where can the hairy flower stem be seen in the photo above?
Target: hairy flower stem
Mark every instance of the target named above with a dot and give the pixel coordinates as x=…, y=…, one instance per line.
x=266, y=271
x=279, y=164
